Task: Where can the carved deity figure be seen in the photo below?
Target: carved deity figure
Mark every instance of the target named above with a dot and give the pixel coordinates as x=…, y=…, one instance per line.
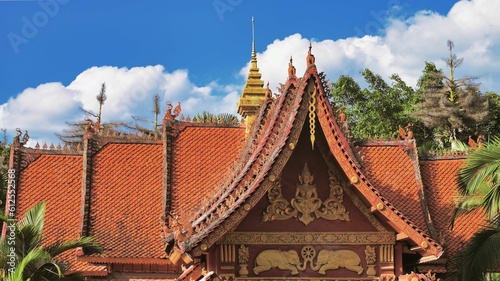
x=306, y=199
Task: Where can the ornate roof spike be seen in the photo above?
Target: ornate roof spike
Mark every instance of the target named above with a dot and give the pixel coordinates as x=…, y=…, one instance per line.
x=254, y=55
x=188, y=119
x=45, y=146
x=52, y=147
x=291, y=69
x=37, y=146
x=182, y=117
x=58, y=147
x=310, y=57
x=269, y=93
x=78, y=147
x=168, y=111
x=65, y=147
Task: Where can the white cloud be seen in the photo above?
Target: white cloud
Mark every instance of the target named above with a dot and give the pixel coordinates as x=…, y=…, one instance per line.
x=403, y=48
x=44, y=110
x=474, y=26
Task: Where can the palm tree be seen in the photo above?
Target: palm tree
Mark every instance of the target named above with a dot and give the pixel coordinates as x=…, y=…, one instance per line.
x=33, y=260
x=479, y=185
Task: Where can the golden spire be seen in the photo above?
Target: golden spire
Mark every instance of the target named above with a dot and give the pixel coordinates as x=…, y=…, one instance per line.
x=254, y=92
x=254, y=55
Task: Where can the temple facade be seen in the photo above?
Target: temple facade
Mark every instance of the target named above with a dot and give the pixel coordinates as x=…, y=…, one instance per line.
x=283, y=195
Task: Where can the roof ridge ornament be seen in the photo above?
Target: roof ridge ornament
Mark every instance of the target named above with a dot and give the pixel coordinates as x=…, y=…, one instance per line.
x=311, y=60
x=291, y=70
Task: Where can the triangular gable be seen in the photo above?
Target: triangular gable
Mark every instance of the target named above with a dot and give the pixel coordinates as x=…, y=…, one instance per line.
x=274, y=137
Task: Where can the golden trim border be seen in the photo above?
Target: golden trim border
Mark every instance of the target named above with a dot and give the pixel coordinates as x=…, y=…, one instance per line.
x=310, y=238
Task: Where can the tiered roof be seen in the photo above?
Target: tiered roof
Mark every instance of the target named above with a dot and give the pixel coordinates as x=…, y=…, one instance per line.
x=124, y=191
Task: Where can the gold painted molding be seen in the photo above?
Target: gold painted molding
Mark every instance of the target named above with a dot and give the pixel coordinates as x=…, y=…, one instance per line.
x=306, y=278
x=310, y=238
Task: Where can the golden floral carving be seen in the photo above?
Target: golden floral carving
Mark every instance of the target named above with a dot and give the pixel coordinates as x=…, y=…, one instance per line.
x=370, y=255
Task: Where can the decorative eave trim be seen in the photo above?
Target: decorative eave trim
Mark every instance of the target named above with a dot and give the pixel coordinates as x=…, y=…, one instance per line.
x=128, y=260
x=339, y=146
x=270, y=151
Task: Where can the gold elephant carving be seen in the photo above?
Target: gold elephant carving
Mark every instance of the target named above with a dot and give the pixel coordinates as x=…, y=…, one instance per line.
x=284, y=260
x=334, y=259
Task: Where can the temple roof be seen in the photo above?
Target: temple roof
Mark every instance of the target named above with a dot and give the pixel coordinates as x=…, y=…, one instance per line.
x=274, y=136
x=212, y=175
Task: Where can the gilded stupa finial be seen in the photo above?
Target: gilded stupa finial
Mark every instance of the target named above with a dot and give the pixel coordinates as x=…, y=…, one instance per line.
x=254, y=92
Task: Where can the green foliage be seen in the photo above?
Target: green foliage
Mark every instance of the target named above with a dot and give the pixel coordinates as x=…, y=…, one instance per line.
x=33, y=260
x=479, y=186
x=378, y=109
x=480, y=255
x=4, y=165
x=221, y=118
x=492, y=124
x=480, y=176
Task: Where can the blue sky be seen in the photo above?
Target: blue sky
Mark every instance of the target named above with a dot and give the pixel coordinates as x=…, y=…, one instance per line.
x=54, y=54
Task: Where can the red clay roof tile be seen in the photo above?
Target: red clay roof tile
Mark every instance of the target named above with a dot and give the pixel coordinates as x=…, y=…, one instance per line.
x=440, y=180
x=201, y=159
x=57, y=180
x=392, y=172
x=126, y=200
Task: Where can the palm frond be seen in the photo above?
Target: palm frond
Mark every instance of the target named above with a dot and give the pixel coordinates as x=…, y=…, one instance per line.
x=480, y=255
x=19, y=273
x=34, y=217
x=482, y=169
x=88, y=243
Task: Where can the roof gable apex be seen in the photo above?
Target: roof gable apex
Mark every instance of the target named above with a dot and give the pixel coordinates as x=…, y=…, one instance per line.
x=302, y=105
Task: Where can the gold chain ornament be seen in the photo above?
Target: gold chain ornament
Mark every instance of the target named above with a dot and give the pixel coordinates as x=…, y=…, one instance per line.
x=312, y=116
